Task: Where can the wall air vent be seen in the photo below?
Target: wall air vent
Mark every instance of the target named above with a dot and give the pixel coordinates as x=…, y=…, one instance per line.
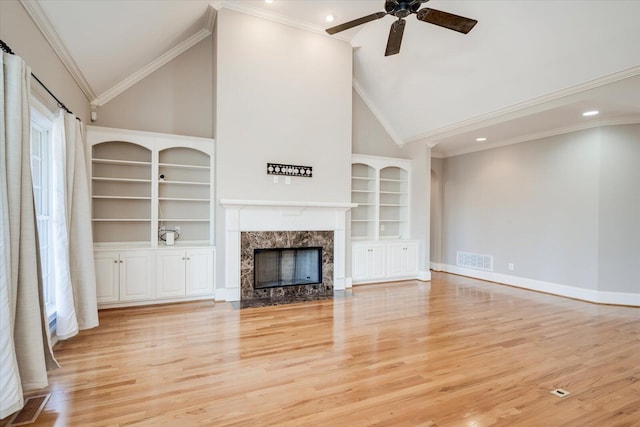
x=475, y=261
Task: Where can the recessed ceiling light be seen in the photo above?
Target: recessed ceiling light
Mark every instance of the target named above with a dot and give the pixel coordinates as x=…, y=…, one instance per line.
x=268, y=1
x=482, y=139
x=590, y=113
x=330, y=18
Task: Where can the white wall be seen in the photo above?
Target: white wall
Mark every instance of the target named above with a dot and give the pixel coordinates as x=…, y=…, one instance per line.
x=533, y=204
x=420, y=156
x=177, y=98
x=25, y=39
x=369, y=136
x=619, y=231
x=564, y=210
x=283, y=95
x=436, y=210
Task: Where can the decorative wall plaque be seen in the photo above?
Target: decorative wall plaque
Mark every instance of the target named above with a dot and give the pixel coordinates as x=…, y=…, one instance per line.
x=289, y=170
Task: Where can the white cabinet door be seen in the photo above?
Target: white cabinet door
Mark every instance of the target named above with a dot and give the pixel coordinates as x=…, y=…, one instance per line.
x=199, y=272
x=396, y=260
x=368, y=261
x=410, y=264
x=171, y=273
x=136, y=268
x=376, y=262
x=107, y=272
x=373, y=261
x=403, y=259
x=359, y=262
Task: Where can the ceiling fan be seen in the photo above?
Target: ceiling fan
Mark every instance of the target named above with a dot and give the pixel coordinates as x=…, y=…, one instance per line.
x=401, y=9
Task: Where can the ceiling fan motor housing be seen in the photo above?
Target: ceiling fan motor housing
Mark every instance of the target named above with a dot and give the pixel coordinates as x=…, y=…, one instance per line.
x=401, y=9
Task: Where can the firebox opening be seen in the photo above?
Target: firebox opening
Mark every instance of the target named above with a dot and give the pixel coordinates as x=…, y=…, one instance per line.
x=287, y=267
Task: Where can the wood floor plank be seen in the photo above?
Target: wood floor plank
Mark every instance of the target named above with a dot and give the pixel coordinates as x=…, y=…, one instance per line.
x=452, y=352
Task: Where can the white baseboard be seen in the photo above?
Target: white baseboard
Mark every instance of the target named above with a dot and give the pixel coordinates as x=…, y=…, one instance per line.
x=158, y=301
x=435, y=266
x=591, y=295
x=123, y=304
x=424, y=276
x=230, y=294
x=348, y=282
x=220, y=294
x=619, y=298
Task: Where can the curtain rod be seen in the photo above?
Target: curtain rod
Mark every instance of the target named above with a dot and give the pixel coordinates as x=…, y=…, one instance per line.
x=8, y=50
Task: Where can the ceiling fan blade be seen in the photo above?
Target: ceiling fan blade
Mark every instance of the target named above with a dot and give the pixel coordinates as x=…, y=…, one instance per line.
x=395, y=37
x=446, y=20
x=356, y=22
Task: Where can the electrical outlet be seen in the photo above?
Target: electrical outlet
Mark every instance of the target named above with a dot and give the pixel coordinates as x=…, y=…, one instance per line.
x=381, y=227
x=511, y=267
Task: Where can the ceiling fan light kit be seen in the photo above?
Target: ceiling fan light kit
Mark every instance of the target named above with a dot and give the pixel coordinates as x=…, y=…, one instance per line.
x=401, y=9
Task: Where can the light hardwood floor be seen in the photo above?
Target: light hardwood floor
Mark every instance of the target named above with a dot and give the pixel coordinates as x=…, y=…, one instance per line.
x=451, y=352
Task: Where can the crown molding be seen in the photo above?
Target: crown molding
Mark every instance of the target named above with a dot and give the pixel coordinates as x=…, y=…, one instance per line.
x=281, y=19
x=42, y=21
x=151, y=67
x=210, y=17
x=383, y=121
x=521, y=109
x=538, y=135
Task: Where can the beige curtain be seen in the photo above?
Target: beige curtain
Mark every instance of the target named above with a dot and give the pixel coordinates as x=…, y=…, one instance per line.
x=25, y=354
x=76, y=301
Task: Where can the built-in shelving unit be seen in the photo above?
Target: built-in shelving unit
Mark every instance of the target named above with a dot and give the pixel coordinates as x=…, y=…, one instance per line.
x=394, y=203
x=121, y=192
x=184, y=191
x=380, y=224
x=142, y=183
x=363, y=192
x=380, y=187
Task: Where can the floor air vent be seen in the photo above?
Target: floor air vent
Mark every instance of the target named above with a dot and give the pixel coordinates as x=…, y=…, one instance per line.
x=560, y=392
x=29, y=413
x=475, y=261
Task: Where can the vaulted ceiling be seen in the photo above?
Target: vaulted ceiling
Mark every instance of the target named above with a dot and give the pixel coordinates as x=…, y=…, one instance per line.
x=528, y=69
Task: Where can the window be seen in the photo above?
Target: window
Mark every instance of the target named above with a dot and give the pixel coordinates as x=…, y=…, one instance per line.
x=41, y=175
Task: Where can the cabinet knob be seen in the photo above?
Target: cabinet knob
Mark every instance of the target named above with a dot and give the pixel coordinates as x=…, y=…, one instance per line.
x=115, y=261
x=188, y=258
x=121, y=261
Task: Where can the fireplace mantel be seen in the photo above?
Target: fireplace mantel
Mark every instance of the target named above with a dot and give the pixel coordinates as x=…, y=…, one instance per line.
x=269, y=215
x=274, y=203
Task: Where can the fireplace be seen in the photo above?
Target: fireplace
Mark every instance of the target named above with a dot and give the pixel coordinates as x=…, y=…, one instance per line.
x=247, y=226
x=279, y=267
x=286, y=267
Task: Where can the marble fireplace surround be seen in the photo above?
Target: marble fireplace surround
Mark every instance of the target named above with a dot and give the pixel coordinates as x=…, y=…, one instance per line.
x=251, y=240
x=262, y=215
